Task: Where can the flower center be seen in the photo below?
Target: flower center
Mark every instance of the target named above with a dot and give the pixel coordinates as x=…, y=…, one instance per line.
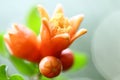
x=60, y=24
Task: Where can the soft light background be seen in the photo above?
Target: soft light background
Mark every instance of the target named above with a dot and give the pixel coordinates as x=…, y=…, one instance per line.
x=101, y=43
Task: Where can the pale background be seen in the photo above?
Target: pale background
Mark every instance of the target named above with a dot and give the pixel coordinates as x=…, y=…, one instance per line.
x=101, y=43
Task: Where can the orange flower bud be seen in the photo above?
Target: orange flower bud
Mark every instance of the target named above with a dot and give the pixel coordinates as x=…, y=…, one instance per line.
x=50, y=66
x=22, y=43
x=67, y=59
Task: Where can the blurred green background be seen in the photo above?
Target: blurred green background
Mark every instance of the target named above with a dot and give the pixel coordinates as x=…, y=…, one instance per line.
x=101, y=44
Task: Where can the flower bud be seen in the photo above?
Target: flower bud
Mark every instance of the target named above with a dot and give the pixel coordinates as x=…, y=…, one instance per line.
x=50, y=66
x=67, y=59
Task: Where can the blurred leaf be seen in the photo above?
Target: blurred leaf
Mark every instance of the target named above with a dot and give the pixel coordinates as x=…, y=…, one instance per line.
x=33, y=20
x=16, y=77
x=24, y=67
x=3, y=75
x=45, y=78
x=59, y=77
x=79, y=62
x=2, y=46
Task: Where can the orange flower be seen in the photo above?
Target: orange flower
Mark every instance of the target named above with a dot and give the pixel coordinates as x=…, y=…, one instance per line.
x=58, y=32
x=23, y=43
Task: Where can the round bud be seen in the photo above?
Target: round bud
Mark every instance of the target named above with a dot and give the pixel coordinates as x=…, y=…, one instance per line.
x=50, y=66
x=67, y=59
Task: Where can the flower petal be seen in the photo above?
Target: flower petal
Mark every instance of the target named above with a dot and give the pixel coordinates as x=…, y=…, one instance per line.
x=45, y=45
x=43, y=12
x=58, y=9
x=45, y=32
x=78, y=34
x=75, y=22
x=8, y=43
x=65, y=35
x=23, y=43
x=61, y=41
x=55, y=45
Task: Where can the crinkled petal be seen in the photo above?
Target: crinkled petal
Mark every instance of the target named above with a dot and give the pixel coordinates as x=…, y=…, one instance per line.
x=54, y=47
x=43, y=12
x=78, y=34
x=45, y=32
x=61, y=41
x=45, y=46
x=8, y=43
x=58, y=9
x=75, y=23
x=23, y=43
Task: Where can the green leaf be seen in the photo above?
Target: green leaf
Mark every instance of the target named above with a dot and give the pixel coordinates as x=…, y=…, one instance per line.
x=16, y=77
x=2, y=46
x=24, y=67
x=79, y=62
x=33, y=20
x=45, y=78
x=3, y=75
x=59, y=77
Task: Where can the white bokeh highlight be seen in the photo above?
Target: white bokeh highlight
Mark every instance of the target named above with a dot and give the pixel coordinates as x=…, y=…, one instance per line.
x=106, y=47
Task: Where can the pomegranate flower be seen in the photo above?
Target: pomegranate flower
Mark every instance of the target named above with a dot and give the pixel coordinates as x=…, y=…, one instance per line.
x=22, y=43
x=58, y=32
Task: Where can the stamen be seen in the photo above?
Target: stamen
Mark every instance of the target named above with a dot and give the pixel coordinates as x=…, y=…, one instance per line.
x=60, y=24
